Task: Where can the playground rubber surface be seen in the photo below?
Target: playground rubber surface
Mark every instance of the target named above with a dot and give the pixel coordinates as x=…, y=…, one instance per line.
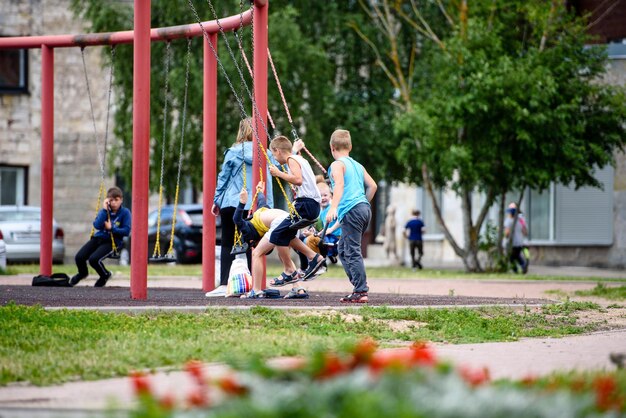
x=83, y=296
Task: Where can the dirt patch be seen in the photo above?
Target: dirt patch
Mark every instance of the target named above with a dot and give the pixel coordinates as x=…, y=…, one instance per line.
x=604, y=320
x=397, y=325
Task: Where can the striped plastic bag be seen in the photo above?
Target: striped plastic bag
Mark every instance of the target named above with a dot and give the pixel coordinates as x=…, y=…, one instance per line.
x=239, y=278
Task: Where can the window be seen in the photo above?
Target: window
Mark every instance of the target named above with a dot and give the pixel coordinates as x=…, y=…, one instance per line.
x=540, y=215
x=13, y=71
x=12, y=185
x=563, y=215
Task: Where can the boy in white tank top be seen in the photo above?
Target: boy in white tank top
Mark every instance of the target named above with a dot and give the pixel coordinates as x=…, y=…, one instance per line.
x=307, y=205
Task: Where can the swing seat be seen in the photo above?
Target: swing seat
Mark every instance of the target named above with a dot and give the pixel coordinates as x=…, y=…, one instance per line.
x=162, y=259
x=240, y=249
x=115, y=256
x=300, y=223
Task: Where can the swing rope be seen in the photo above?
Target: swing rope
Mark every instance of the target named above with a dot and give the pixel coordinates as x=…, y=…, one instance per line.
x=238, y=246
x=292, y=211
x=101, y=154
x=170, y=250
x=294, y=132
x=157, y=246
x=245, y=60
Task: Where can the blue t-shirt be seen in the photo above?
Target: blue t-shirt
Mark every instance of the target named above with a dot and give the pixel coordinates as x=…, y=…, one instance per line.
x=353, y=186
x=415, y=229
x=323, y=212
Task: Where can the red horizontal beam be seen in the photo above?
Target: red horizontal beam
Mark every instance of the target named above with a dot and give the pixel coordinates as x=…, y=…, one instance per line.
x=124, y=37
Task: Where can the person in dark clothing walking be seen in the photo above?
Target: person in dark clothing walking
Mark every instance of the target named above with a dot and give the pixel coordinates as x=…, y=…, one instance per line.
x=413, y=230
x=111, y=225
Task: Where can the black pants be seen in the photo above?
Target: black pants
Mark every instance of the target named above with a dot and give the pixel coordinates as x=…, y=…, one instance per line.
x=517, y=257
x=419, y=247
x=228, y=240
x=94, y=251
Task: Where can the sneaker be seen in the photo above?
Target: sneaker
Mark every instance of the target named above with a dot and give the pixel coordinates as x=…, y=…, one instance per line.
x=219, y=291
x=355, y=297
x=323, y=269
x=102, y=281
x=314, y=265
x=333, y=259
x=75, y=279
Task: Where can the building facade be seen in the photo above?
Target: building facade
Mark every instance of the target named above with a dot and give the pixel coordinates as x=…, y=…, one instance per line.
x=76, y=165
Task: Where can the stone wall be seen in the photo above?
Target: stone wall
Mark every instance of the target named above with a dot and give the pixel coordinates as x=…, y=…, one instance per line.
x=76, y=171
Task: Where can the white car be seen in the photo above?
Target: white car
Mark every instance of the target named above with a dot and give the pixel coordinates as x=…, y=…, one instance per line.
x=3, y=253
x=21, y=229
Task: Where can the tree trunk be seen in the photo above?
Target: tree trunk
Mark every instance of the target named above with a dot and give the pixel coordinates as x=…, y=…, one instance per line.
x=468, y=254
x=501, y=224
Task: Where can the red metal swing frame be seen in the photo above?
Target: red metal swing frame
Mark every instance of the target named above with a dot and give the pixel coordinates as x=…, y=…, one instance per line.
x=141, y=37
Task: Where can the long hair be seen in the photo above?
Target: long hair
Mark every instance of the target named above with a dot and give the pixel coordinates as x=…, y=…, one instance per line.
x=245, y=131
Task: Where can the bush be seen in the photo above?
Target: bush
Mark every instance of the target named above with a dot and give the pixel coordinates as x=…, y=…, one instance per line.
x=367, y=382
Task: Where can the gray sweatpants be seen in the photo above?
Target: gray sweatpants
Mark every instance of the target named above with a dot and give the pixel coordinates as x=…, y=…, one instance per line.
x=353, y=226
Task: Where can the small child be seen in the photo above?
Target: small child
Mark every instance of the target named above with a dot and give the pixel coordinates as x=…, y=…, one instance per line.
x=111, y=223
x=307, y=204
x=333, y=232
x=254, y=228
x=353, y=189
x=413, y=231
x=256, y=232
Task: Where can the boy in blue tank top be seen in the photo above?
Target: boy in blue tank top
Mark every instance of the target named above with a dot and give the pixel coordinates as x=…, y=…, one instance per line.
x=353, y=189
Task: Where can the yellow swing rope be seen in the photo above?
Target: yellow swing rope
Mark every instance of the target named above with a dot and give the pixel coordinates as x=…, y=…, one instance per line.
x=170, y=250
x=98, y=206
x=238, y=236
x=157, y=246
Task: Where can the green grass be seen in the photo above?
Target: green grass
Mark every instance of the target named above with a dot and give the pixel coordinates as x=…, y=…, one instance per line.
x=46, y=347
x=334, y=271
x=601, y=290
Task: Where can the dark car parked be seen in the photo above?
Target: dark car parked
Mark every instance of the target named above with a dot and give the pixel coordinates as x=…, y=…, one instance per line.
x=187, y=233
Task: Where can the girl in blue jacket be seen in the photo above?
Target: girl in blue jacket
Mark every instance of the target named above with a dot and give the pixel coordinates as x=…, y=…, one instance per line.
x=229, y=185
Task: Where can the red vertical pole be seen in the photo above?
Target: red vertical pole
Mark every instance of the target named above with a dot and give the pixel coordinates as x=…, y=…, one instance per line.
x=209, y=169
x=260, y=91
x=141, y=150
x=47, y=158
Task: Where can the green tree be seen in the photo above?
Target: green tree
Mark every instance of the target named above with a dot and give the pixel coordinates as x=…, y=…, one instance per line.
x=329, y=81
x=507, y=97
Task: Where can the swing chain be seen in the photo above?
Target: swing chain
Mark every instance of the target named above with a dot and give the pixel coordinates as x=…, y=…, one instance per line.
x=157, y=244
x=106, y=128
x=170, y=250
x=239, y=102
x=93, y=115
x=101, y=155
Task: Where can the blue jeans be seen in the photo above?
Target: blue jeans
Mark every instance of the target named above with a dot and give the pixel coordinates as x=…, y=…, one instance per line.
x=353, y=226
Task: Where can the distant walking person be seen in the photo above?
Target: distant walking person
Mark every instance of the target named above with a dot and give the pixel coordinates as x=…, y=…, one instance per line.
x=413, y=230
x=517, y=235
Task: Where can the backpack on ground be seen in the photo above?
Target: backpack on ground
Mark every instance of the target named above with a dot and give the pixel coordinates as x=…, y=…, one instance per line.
x=54, y=280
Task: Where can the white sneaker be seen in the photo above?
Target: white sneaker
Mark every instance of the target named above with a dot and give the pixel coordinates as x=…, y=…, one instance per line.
x=219, y=291
x=321, y=271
